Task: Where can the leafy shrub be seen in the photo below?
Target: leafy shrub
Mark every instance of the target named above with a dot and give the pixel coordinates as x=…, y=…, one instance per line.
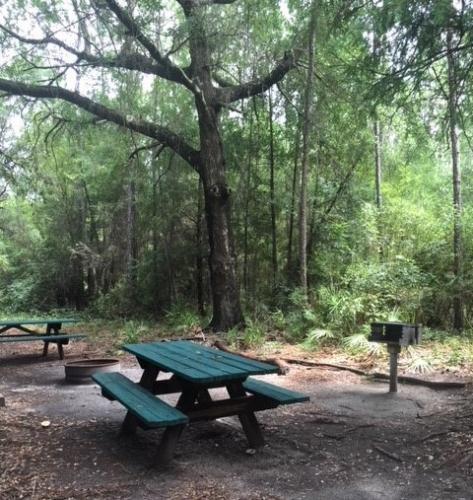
x=133, y=331
x=180, y=318
x=254, y=334
x=358, y=343
x=373, y=291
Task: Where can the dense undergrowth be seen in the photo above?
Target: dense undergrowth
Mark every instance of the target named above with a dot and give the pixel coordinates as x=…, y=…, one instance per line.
x=311, y=331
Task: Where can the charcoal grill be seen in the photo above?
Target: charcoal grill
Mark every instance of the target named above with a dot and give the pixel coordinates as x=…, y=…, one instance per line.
x=395, y=335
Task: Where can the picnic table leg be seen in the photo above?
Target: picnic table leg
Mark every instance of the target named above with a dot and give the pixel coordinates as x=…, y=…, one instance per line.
x=247, y=419
x=45, y=348
x=60, y=350
x=172, y=434
x=149, y=376
x=54, y=328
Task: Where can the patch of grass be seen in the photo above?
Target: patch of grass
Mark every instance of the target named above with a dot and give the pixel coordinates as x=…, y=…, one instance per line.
x=133, y=331
x=180, y=319
x=254, y=334
x=418, y=361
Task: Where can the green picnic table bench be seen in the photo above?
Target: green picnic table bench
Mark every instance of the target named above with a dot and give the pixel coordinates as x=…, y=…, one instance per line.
x=195, y=369
x=52, y=334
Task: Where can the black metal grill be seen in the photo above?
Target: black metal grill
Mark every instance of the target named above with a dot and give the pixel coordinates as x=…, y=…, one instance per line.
x=395, y=335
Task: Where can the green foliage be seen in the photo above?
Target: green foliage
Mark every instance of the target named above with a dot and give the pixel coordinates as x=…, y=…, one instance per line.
x=179, y=318
x=133, y=331
x=358, y=343
x=64, y=220
x=254, y=334
x=317, y=338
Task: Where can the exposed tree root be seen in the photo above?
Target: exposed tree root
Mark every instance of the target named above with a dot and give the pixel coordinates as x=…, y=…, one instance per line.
x=283, y=368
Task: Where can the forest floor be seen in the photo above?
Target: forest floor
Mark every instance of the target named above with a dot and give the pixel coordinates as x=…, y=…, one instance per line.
x=353, y=440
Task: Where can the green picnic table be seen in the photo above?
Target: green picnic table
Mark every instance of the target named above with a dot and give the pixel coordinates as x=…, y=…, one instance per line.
x=194, y=369
x=52, y=334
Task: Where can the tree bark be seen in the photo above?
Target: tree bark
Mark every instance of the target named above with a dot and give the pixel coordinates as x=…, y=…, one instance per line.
x=227, y=312
x=272, y=200
x=458, y=315
x=292, y=209
x=199, y=269
x=306, y=129
x=246, y=220
x=378, y=162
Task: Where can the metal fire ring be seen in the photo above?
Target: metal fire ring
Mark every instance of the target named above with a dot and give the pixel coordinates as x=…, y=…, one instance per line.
x=81, y=371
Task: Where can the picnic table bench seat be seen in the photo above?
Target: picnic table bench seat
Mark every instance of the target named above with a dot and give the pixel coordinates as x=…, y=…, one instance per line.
x=63, y=338
x=52, y=335
x=278, y=394
x=151, y=411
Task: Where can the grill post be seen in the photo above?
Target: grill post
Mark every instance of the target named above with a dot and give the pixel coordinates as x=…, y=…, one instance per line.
x=394, y=350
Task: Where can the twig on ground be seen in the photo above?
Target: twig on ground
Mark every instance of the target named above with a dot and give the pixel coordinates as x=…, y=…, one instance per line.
x=433, y=435
x=387, y=453
x=343, y=435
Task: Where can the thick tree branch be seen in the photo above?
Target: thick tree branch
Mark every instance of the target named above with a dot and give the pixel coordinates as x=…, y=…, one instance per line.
x=175, y=73
x=235, y=92
x=131, y=61
x=162, y=134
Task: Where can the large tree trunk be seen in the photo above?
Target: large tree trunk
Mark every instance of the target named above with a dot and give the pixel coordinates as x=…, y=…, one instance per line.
x=222, y=262
x=227, y=311
x=458, y=317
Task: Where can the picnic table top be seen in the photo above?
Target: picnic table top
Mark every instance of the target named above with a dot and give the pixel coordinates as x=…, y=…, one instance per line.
x=37, y=321
x=197, y=363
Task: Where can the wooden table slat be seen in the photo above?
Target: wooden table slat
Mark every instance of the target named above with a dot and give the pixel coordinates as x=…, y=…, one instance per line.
x=181, y=361
x=213, y=366
x=250, y=364
x=224, y=359
x=159, y=359
x=197, y=363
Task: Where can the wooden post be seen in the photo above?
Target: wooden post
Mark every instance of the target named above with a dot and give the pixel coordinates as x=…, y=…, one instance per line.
x=394, y=350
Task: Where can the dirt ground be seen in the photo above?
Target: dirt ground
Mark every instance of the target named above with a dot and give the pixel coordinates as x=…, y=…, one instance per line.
x=352, y=441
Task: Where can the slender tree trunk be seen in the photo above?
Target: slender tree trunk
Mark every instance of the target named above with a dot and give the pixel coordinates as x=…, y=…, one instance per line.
x=458, y=317
x=272, y=201
x=93, y=241
x=154, y=228
x=131, y=242
x=306, y=128
x=247, y=207
x=378, y=161
x=292, y=209
x=227, y=311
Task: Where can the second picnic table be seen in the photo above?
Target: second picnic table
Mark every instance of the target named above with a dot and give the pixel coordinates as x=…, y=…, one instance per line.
x=195, y=370
x=52, y=332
